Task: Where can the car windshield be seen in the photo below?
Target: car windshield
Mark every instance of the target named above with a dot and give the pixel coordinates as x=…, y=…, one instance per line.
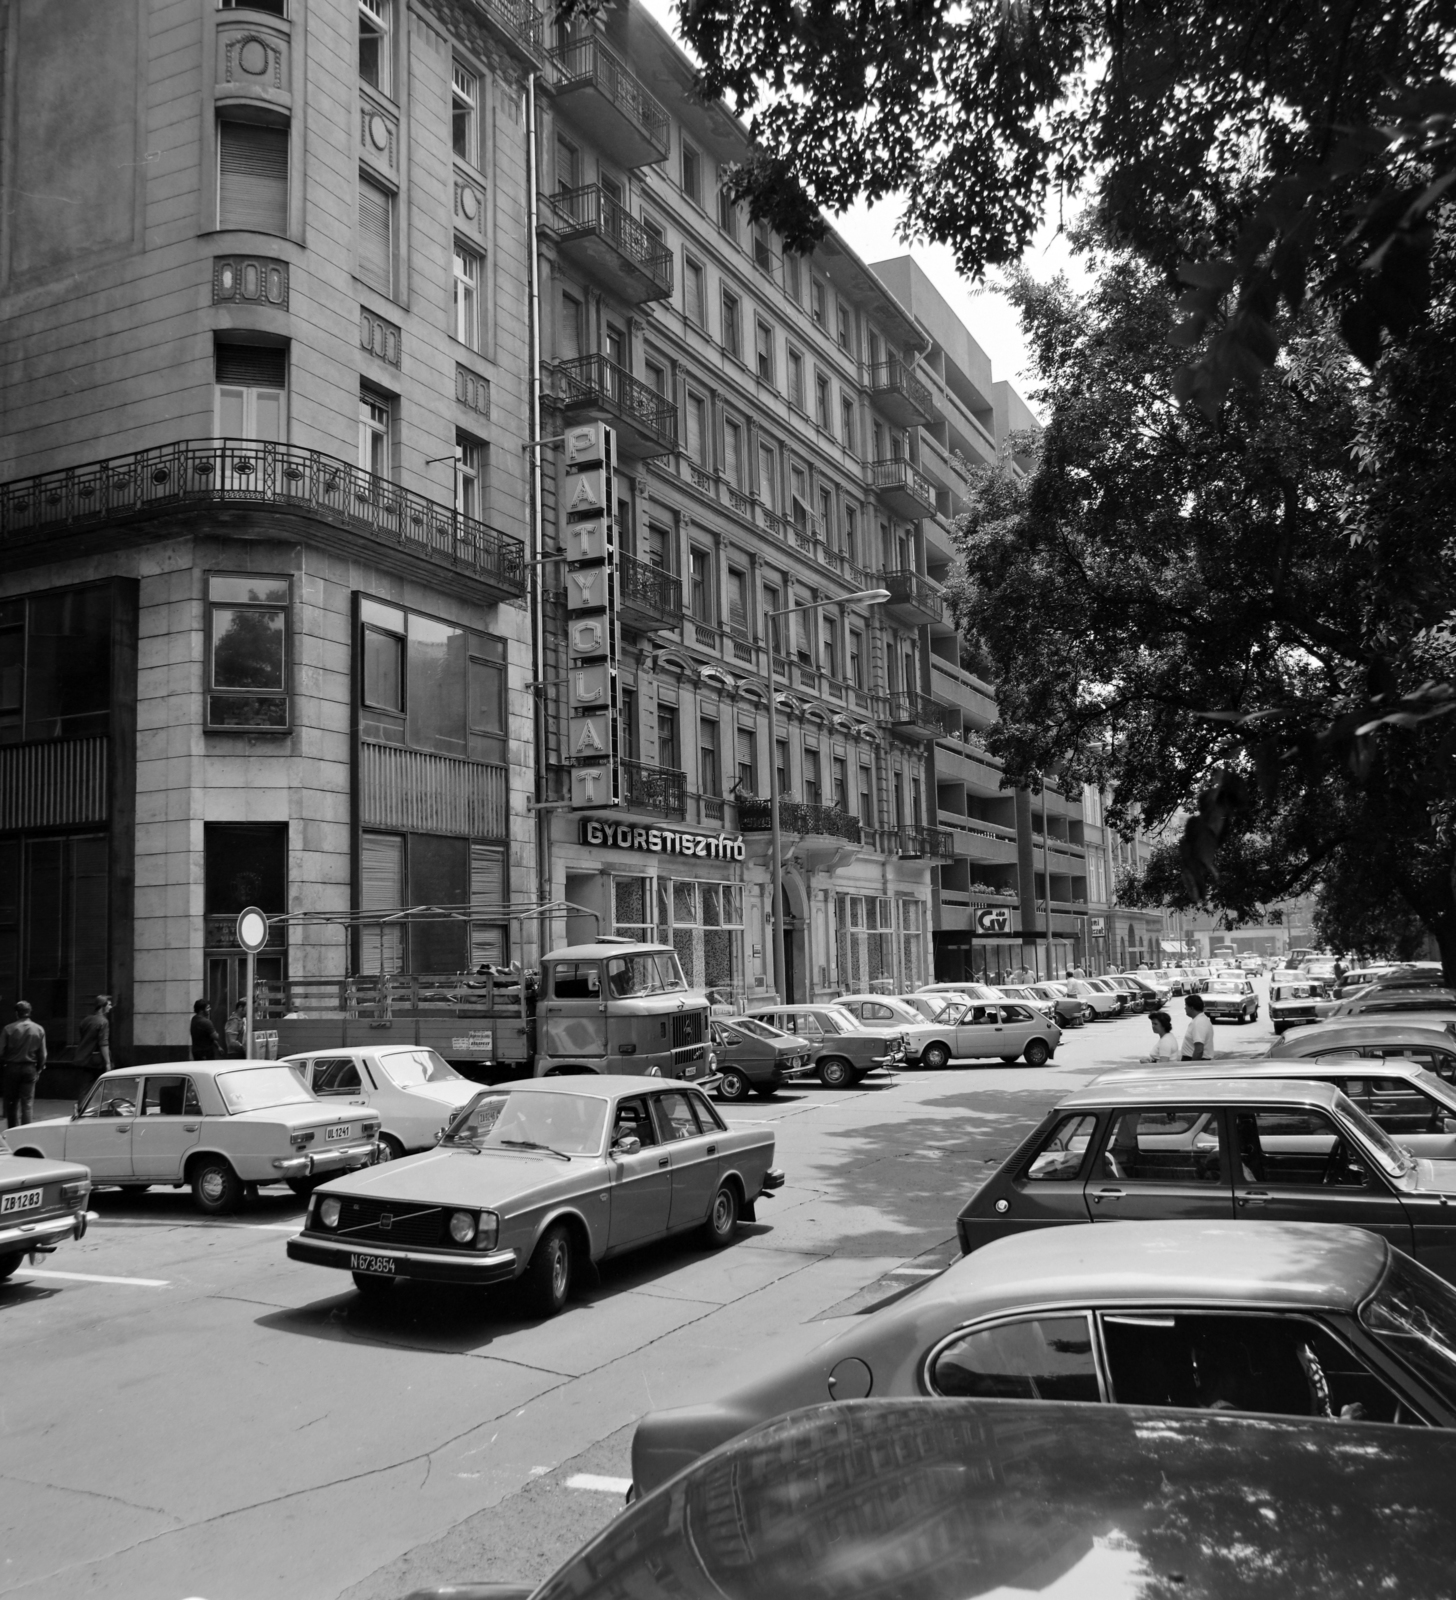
x=257, y=1088
x=1397, y=1162
x=570, y=1124
x=759, y=1030
x=834, y=1019
x=408, y=1069
x=1413, y=1313
x=645, y=974
x=1223, y=986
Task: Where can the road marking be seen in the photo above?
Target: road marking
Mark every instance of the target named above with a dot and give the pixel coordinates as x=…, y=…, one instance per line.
x=589, y=1480
x=914, y=1272
x=94, y=1277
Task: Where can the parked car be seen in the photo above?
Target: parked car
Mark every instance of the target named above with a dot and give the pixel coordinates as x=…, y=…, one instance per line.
x=889, y=1011
x=41, y=1203
x=1281, y=1318
x=754, y=1057
x=1276, y=1150
x=1230, y=1000
x=929, y=1006
x=844, y=1049
x=415, y=1091
x=1063, y=1009
x=981, y=1031
x=1382, y=1039
x=1358, y=978
x=1387, y=1002
x=1294, y=999
x=1139, y=996
x=219, y=1127
x=959, y=991
x=1097, y=1002
x=535, y=1180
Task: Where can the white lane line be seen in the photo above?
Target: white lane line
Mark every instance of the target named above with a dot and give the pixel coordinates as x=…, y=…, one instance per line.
x=914, y=1272
x=589, y=1480
x=93, y=1277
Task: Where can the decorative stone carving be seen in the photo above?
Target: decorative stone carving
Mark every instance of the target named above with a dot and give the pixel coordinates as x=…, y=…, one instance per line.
x=250, y=280
x=470, y=205
x=472, y=391
x=248, y=59
x=379, y=337
x=378, y=137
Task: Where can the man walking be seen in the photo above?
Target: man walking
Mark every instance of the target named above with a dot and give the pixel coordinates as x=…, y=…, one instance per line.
x=93, y=1044
x=1198, y=1035
x=206, y=1046
x=22, y=1060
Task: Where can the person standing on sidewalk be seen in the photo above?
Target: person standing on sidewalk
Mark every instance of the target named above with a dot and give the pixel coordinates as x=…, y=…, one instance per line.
x=22, y=1060
x=206, y=1046
x=93, y=1044
x=1198, y=1035
x=235, y=1031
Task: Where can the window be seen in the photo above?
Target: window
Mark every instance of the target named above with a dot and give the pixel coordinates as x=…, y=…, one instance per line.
x=252, y=177
x=826, y=516
x=568, y=166
x=763, y=253
x=747, y=761
x=383, y=670
x=831, y=646
x=818, y=298
x=381, y=888
x=738, y=599
x=696, y=427
x=856, y=658
x=843, y=329
x=667, y=745
x=841, y=783
x=251, y=391
x=659, y=547
x=467, y=297
x=866, y=797
x=247, y=651
x=709, y=778
x=489, y=898
x=796, y=378
x=851, y=539
x=781, y=764
x=763, y=347
x=692, y=174
x=277, y=8
x=569, y=327
x=1294, y=1149
x=821, y=401
x=376, y=235
x=375, y=18
x=656, y=375
x=727, y=206
x=1043, y=1358
x=767, y=476
x=732, y=326
x=733, y=452
x=465, y=114
x=846, y=425
x=470, y=477
x=374, y=433
x=771, y=604
x=699, y=585
x=813, y=793
x=695, y=300
x=794, y=279
x=1163, y=1147
x=705, y=924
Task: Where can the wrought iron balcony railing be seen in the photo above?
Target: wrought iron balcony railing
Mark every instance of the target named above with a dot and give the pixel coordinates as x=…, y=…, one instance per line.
x=590, y=210
x=908, y=708
x=912, y=595
x=799, y=817
x=900, y=394
x=662, y=789
x=276, y=477
x=590, y=63
x=594, y=382
x=519, y=18
x=648, y=591
x=919, y=844
x=903, y=488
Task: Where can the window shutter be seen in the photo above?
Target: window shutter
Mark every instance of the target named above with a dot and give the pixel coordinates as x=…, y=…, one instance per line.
x=376, y=236
x=381, y=862
x=251, y=366
x=488, y=894
x=252, y=186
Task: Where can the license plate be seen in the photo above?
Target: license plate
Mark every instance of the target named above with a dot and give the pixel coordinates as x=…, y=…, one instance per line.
x=24, y=1200
x=383, y=1265
x=336, y=1133
x=690, y=1072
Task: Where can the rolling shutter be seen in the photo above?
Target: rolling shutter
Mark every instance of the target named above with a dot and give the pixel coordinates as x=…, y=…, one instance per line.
x=252, y=366
x=252, y=182
x=488, y=895
x=381, y=863
x=376, y=236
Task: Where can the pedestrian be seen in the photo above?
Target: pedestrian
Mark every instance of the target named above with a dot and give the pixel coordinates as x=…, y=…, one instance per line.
x=206, y=1046
x=93, y=1043
x=1341, y=972
x=1079, y=971
x=1165, y=1046
x=236, y=1031
x=22, y=1060
x=1198, y=1035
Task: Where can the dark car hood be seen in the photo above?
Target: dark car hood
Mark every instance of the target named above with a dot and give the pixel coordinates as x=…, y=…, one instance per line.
x=462, y=1178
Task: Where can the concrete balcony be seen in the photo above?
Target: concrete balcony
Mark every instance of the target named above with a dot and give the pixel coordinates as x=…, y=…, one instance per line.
x=596, y=90
x=660, y=789
x=913, y=597
x=818, y=836
x=918, y=844
x=915, y=716
x=595, y=388
x=109, y=503
x=647, y=596
x=899, y=395
x=903, y=489
x=605, y=240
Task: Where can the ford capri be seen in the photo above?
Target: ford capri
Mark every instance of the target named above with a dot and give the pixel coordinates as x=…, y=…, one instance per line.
x=41, y=1203
x=538, y=1182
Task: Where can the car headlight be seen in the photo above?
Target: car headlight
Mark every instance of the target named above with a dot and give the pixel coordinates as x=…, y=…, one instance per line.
x=488, y=1231
x=462, y=1226
x=329, y=1211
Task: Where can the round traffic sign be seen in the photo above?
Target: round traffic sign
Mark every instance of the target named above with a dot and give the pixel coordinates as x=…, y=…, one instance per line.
x=252, y=929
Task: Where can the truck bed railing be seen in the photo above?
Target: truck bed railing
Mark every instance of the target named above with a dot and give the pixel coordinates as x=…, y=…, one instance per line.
x=381, y=997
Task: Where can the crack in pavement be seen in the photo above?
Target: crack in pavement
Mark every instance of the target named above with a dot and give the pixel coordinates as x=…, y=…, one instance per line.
x=91, y=1494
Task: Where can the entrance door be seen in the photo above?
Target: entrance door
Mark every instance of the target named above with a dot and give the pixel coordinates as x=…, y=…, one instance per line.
x=1161, y=1162
x=100, y=1138
x=169, y=1125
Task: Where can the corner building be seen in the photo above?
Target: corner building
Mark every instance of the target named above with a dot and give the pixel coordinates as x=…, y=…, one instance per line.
x=263, y=311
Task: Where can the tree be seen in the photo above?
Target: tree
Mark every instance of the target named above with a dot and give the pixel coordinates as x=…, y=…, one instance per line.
x=1243, y=608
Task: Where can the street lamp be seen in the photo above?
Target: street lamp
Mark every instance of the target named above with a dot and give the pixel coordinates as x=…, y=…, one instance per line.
x=869, y=597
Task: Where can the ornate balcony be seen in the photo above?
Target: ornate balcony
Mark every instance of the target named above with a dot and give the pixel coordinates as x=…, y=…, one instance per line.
x=904, y=490
x=915, y=715
x=347, y=509
x=660, y=789
x=919, y=844
x=606, y=240
x=596, y=89
x=649, y=597
x=900, y=395
x=818, y=836
x=592, y=386
x=913, y=597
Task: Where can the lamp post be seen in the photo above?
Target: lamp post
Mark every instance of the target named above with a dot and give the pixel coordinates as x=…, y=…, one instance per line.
x=870, y=597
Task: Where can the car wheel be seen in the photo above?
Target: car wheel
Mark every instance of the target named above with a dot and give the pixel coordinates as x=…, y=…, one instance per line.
x=390, y=1149
x=1088, y=1014
x=836, y=1073
x=547, y=1280
x=722, y=1221
x=1036, y=1053
x=935, y=1055
x=216, y=1188
x=10, y=1265
x=732, y=1085
x=373, y=1286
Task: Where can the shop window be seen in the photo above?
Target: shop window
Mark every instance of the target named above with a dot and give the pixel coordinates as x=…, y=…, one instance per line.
x=632, y=909
x=252, y=177
x=251, y=391
x=383, y=670
x=864, y=938
x=912, y=942
x=465, y=114
x=376, y=20
x=376, y=235
x=248, y=652
x=704, y=924
x=55, y=664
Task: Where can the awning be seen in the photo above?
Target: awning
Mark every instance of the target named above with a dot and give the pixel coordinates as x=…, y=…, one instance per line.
x=1171, y=947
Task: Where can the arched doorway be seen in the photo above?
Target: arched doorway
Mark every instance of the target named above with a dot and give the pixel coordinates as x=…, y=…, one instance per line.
x=794, y=908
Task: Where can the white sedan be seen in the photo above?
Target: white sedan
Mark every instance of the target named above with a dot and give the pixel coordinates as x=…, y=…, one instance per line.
x=885, y=1011
x=414, y=1091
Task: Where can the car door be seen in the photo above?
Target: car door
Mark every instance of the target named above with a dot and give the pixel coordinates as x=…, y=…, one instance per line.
x=1288, y=1167
x=693, y=1155
x=100, y=1135
x=1161, y=1161
x=168, y=1126
x=1042, y=1186
x=642, y=1180
x=979, y=1033
x=1019, y=1025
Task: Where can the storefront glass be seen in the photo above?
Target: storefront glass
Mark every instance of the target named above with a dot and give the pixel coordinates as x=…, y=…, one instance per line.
x=703, y=921
x=865, y=937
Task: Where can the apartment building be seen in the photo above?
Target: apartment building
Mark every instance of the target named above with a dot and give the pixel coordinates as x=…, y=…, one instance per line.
x=263, y=312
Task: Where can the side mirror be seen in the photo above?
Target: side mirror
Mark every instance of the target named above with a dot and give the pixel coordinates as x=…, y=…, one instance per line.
x=628, y=1145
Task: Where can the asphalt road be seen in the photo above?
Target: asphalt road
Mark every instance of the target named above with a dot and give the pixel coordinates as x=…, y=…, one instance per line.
x=184, y=1412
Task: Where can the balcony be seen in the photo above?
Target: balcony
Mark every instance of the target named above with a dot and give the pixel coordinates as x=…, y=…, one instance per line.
x=818, y=836
x=913, y=597
x=517, y=20
x=901, y=396
x=903, y=489
x=919, y=844
x=596, y=89
x=660, y=789
x=347, y=509
x=595, y=388
x=607, y=241
x=647, y=596
x=916, y=716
